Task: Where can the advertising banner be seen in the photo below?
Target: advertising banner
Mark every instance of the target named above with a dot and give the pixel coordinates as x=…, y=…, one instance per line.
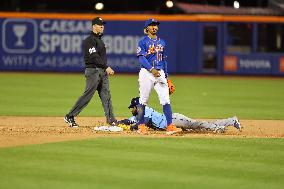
x=56, y=45
x=53, y=44
x=252, y=64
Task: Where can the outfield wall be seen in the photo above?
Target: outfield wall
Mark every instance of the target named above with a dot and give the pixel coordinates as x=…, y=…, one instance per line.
x=52, y=42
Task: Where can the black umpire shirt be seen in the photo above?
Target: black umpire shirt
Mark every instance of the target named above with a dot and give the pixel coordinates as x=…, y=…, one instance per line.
x=94, y=52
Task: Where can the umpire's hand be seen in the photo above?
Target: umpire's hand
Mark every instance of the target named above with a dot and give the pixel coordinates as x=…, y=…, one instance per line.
x=109, y=71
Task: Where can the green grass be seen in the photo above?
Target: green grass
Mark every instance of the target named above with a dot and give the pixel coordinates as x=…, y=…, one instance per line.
x=117, y=162
x=208, y=97
x=145, y=163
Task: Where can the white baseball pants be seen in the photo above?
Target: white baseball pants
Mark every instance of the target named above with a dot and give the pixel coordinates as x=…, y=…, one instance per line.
x=147, y=82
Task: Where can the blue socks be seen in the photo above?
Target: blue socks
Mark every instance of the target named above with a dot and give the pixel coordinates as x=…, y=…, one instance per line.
x=166, y=109
x=168, y=113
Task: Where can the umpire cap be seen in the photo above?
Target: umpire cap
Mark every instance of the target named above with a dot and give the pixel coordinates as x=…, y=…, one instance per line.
x=151, y=21
x=98, y=21
x=134, y=102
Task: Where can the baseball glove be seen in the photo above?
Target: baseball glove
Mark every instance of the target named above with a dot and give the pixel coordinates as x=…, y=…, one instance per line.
x=124, y=127
x=171, y=86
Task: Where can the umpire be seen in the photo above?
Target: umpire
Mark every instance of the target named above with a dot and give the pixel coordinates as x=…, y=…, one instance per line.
x=96, y=73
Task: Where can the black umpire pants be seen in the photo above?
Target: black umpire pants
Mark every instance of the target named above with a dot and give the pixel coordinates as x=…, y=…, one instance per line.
x=96, y=80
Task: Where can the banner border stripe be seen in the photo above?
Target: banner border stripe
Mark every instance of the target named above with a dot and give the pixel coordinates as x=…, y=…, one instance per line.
x=136, y=17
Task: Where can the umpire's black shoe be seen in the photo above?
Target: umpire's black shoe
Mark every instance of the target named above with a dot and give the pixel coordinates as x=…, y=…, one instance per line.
x=71, y=121
x=113, y=123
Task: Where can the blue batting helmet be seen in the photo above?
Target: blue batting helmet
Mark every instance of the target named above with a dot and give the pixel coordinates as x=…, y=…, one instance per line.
x=134, y=102
x=151, y=21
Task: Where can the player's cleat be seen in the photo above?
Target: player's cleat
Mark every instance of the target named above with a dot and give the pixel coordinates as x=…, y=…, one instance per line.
x=237, y=124
x=71, y=121
x=142, y=129
x=113, y=123
x=172, y=129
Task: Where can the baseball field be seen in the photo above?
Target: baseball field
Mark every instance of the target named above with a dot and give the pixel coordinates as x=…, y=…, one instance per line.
x=38, y=150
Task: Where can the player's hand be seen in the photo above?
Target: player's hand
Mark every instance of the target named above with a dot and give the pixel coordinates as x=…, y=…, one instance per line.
x=109, y=71
x=155, y=72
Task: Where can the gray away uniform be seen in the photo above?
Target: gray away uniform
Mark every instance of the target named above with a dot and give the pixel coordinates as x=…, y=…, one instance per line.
x=158, y=120
x=220, y=125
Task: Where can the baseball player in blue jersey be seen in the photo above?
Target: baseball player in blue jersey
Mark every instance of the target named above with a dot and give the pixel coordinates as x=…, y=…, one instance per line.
x=156, y=120
x=153, y=74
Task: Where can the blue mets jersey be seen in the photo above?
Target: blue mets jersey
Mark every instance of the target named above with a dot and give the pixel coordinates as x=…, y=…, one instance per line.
x=153, y=50
x=157, y=119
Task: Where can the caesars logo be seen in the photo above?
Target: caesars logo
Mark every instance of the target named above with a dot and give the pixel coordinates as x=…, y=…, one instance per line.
x=60, y=36
x=19, y=36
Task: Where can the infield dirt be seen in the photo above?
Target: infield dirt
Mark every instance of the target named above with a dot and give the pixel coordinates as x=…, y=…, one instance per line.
x=17, y=131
